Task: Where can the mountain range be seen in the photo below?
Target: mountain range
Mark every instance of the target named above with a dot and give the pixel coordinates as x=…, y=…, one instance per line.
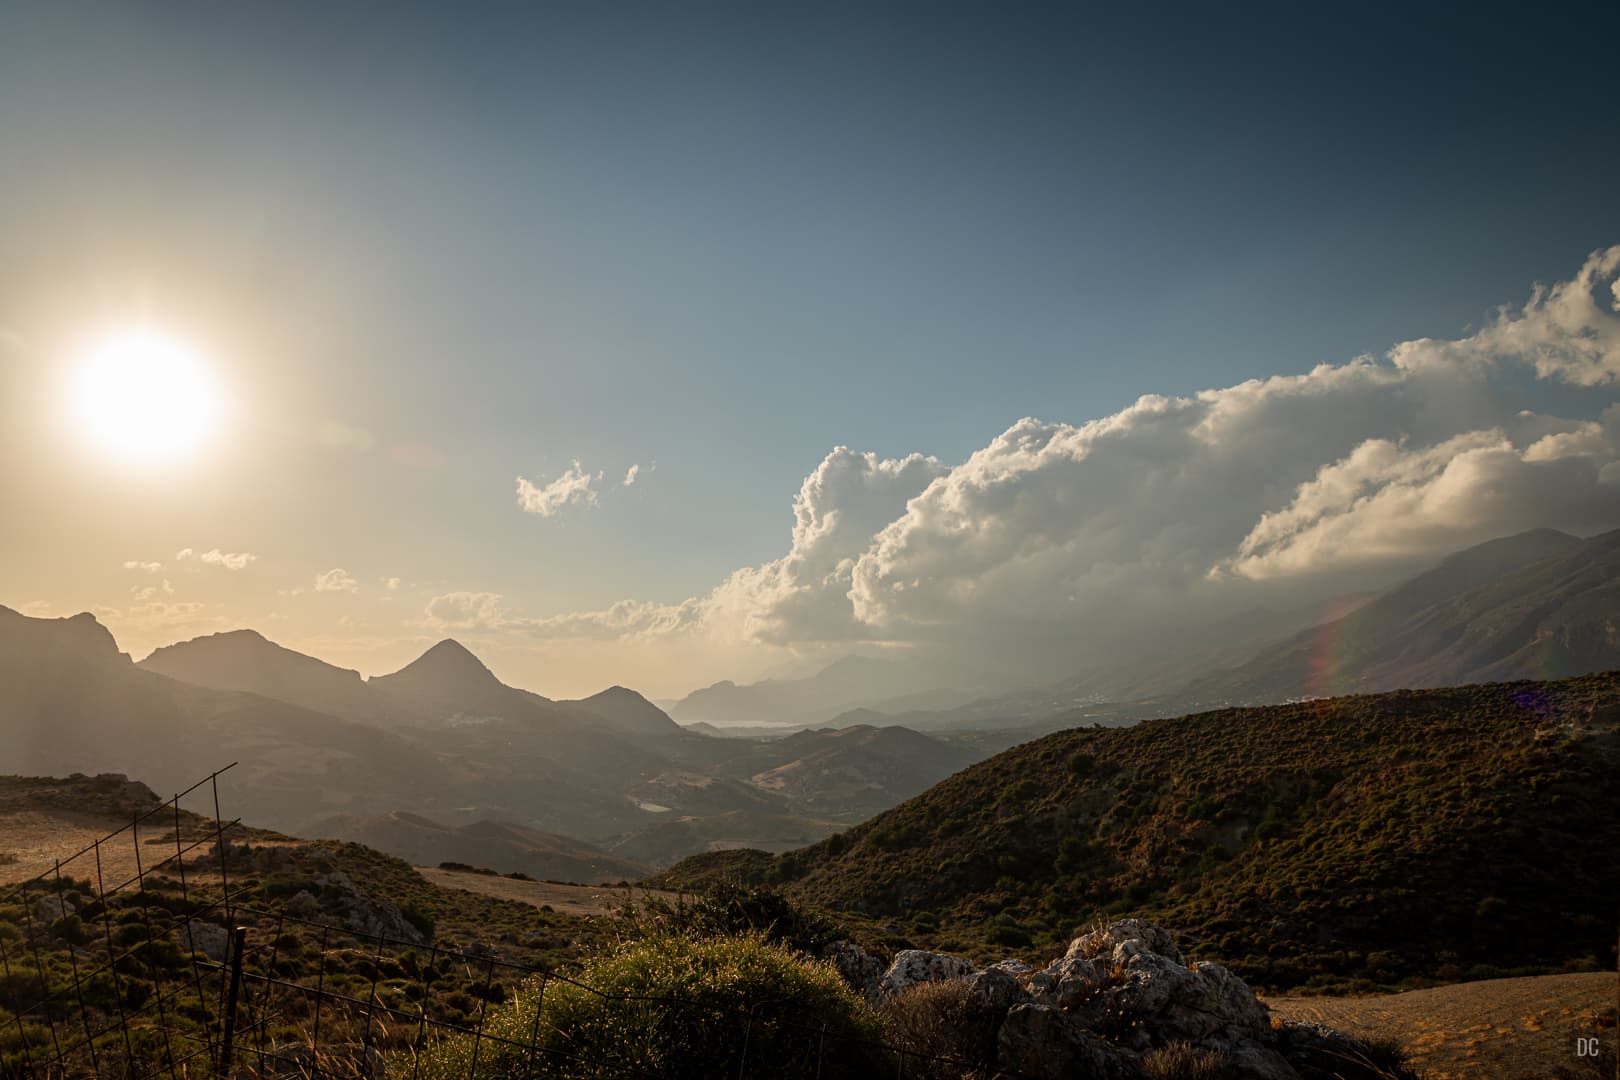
x=445, y=740
x=442, y=741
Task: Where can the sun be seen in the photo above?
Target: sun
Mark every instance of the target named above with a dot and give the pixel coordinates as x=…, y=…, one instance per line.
x=144, y=397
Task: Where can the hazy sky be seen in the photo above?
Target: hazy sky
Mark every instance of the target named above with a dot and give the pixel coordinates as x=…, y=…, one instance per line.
x=437, y=256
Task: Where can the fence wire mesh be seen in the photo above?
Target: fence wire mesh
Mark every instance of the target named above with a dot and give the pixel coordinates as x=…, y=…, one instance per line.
x=124, y=963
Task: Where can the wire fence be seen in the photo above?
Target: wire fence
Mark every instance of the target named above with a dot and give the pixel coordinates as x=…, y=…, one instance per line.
x=173, y=970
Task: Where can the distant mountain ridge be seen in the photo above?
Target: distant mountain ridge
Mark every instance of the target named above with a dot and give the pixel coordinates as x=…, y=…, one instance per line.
x=848, y=683
x=246, y=660
x=1539, y=604
x=442, y=739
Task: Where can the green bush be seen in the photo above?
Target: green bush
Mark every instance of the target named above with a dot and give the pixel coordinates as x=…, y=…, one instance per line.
x=732, y=907
x=675, y=1006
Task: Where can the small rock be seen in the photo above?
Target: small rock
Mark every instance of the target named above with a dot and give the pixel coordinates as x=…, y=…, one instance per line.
x=48, y=909
x=211, y=940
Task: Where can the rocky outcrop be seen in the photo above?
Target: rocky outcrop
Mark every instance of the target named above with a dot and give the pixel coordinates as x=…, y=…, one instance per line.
x=1120, y=995
x=912, y=966
x=342, y=903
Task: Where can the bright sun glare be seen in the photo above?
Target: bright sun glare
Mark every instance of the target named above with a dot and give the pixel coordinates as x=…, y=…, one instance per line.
x=145, y=397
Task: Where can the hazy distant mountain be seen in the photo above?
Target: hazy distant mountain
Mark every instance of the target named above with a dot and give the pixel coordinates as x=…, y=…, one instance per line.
x=458, y=745
x=71, y=702
x=492, y=844
x=627, y=711
x=449, y=682
x=245, y=660
x=849, y=683
x=850, y=773
x=1538, y=604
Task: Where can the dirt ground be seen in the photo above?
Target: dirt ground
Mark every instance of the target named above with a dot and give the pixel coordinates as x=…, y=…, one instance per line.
x=1500, y=1029
x=569, y=899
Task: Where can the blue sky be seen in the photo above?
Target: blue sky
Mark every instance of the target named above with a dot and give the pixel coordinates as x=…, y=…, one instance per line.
x=432, y=249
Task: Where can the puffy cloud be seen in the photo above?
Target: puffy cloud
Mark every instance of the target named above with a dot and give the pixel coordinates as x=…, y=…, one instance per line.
x=336, y=580
x=465, y=611
x=1566, y=332
x=143, y=567
x=804, y=594
x=630, y=475
x=574, y=485
x=1384, y=501
x=1093, y=531
x=390, y=583
x=230, y=560
x=1062, y=546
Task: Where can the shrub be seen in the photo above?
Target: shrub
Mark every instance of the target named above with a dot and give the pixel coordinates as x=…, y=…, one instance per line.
x=941, y=1020
x=676, y=1006
x=734, y=908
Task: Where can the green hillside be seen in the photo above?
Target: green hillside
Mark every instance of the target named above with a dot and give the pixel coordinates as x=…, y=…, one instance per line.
x=1372, y=840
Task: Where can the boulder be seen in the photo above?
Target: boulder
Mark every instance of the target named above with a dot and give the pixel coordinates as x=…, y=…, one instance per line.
x=1143, y=936
x=859, y=968
x=212, y=940
x=1040, y=1041
x=47, y=909
x=1066, y=984
x=994, y=990
x=917, y=965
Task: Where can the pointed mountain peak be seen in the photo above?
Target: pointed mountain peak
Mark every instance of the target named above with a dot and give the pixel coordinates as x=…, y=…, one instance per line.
x=450, y=663
x=627, y=710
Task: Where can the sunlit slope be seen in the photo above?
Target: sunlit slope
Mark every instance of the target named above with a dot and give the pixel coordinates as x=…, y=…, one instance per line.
x=1436, y=833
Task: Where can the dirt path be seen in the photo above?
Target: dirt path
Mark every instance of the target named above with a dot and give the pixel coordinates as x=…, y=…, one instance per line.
x=569, y=899
x=1501, y=1029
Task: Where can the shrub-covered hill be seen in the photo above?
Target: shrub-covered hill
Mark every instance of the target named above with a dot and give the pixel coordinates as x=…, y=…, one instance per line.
x=1371, y=840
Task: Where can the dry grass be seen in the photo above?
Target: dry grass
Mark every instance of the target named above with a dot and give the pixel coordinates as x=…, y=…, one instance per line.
x=568, y=899
x=1184, y=1061
x=1477, y=1030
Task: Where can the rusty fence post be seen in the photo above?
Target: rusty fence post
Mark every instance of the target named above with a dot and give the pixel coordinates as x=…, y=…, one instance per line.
x=238, y=941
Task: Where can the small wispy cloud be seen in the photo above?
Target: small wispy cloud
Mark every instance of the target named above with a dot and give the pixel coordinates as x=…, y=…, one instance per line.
x=150, y=593
x=230, y=560
x=143, y=567
x=336, y=579
x=573, y=486
x=390, y=583
x=631, y=474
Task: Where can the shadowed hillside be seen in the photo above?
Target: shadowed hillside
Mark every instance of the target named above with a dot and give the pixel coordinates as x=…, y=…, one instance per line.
x=1537, y=605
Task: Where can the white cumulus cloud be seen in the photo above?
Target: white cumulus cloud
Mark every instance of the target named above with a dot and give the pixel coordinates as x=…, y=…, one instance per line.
x=1060, y=546
x=573, y=486
x=143, y=567
x=630, y=475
